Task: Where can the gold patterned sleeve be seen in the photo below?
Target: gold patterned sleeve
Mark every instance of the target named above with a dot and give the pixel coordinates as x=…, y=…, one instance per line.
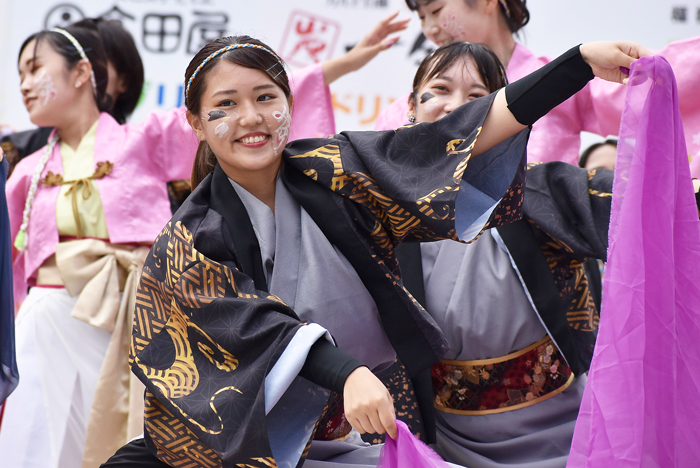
x=421, y=181
x=203, y=341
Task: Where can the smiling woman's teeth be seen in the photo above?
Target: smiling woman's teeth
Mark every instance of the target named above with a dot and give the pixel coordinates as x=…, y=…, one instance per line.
x=254, y=139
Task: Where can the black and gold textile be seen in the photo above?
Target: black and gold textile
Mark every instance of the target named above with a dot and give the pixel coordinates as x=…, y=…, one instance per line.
x=569, y=210
x=206, y=332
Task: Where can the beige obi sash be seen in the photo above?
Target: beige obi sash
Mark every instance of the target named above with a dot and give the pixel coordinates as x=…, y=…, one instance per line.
x=96, y=271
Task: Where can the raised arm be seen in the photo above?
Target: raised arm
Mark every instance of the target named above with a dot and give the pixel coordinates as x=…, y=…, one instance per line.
x=376, y=41
x=524, y=101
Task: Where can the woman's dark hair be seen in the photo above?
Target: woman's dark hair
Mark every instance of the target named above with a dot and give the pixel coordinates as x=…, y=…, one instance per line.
x=91, y=44
x=517, y=15
x=583, y=160
x=487, y=63
x=122, y=53
x=257, y=59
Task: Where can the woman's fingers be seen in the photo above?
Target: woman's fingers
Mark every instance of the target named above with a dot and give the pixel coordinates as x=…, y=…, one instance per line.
x=356, y=424
x=387, y=418
x=368, y=404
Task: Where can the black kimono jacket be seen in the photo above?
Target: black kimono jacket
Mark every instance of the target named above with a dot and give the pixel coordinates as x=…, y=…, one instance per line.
x=565, y=218
x=206, y=331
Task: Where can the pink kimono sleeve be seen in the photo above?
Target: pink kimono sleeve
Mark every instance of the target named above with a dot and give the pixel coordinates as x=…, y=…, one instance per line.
x=598, y=109
x=394, y=115
x=16, y=193
x=171, y=142
x=312, y=110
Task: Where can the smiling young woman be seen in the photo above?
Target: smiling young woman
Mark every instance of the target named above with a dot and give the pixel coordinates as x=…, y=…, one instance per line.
x=281, y=263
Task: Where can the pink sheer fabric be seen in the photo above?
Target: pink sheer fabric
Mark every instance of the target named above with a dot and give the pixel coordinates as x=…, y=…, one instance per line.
x=642, y=399
x=407, y=451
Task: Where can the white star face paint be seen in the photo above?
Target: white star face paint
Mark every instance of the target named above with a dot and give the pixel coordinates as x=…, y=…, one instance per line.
x=45, y=89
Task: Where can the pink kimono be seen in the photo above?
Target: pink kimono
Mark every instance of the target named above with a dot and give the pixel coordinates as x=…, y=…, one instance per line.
x=145, y=157
x=597, y=108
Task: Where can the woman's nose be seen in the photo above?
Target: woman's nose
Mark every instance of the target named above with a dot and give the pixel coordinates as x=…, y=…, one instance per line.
x=456, y=100
x=431, y=28
x=249, y=115
x=25, y=85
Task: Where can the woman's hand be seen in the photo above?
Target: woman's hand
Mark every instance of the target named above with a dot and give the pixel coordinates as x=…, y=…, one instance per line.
x=606, y=58
x=374, y=42
x=368, y=404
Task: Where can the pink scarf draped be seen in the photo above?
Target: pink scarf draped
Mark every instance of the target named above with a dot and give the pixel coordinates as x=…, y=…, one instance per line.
x=642, y=400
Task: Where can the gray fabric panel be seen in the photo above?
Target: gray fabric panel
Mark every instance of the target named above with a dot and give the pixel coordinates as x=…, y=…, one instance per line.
x=315, y=279
x=476, y=296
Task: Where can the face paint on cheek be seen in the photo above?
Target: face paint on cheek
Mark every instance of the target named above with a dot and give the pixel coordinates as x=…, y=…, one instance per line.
x=426, y=97
x=221, y=121
x=216, y=115
x=45, y=89
x=451, y=25
x=280, y=134
x=221, y=130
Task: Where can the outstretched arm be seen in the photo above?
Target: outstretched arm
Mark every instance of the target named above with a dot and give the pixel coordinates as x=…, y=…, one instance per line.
x=523, y=102
x=376, y=41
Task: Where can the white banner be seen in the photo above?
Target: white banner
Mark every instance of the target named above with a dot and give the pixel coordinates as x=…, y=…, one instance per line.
x=168, y=32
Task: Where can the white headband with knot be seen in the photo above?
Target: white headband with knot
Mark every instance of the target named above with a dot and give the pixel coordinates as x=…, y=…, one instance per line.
x=82, y=53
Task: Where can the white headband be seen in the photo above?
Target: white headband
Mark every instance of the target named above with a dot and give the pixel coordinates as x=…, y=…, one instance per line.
x=81, y=51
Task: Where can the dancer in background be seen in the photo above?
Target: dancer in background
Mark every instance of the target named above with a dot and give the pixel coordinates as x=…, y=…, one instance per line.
x=277, y=247
x=597, y=108
x=126, y=78
x=599, y=155
x=124, y=84
x=515, y=305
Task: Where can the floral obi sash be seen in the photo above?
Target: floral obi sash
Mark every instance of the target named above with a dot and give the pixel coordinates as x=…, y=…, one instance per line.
x=489, y=386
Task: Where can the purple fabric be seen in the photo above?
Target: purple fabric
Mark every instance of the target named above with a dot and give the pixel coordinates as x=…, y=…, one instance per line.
x=407, y=451
x=642, y=400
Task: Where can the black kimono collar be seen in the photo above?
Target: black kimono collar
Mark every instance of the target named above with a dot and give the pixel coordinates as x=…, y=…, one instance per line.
x=225, y=201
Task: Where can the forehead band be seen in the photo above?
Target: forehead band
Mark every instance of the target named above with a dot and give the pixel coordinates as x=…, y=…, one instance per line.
x=82, y=53
x=223, y=50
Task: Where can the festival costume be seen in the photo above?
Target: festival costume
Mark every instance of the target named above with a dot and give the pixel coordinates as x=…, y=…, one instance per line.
x=597, y=108
x=73, y=342
x=508, y=391
x=229, y=288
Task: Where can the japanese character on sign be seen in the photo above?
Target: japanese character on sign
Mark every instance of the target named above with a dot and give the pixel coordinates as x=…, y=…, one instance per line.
x=349, y=103
x=62, y=15
x=161, y=33
x=209, y=26
x=117, y=14
x=679, y=14
x=308, y=38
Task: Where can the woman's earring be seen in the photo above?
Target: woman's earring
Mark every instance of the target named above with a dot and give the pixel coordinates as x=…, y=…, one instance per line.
x=412, y=118
x=77, y=84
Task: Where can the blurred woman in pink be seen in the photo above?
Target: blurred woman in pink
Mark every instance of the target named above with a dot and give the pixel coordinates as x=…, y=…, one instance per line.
x=597, y=108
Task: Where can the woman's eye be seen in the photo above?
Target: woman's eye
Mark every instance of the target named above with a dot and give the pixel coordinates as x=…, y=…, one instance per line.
x=476, y=96
x=266, y=97
x=440, y=88
x=226, y=103
x=435, y=12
